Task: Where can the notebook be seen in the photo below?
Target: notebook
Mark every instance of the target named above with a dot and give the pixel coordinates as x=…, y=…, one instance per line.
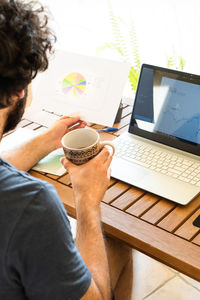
x=160, y=152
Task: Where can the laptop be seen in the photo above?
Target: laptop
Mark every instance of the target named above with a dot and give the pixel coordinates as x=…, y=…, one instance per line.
x=160, y=153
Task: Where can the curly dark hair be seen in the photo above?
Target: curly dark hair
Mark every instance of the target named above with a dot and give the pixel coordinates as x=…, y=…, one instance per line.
x=25, y=42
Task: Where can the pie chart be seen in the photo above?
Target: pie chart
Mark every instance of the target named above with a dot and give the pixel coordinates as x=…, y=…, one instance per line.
x=74, y=84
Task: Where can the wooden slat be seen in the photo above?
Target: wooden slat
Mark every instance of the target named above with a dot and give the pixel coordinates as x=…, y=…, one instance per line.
x=39, y=172
x=116, y=125
x=124, y=105
x=122, y=130
x=23, y=123
x=156, y=213
x=105, y=136
x=55, y=177
x=33, y=126
x=127, y=111
x=153, y=241
x=179, y=215
x=112, y=182
x=41, y=129
x=124, y=121
x=196, y=240
x=128, y=101
x=142, y=205
x=97, y=126
x=127, y=198
x=188, y=230
x=115, y=191
x=65, y=179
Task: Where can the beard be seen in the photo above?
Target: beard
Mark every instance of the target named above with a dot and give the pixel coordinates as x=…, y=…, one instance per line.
x=15, y=115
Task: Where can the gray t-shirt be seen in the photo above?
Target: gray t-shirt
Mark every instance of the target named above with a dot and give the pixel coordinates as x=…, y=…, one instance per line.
x=38, y=256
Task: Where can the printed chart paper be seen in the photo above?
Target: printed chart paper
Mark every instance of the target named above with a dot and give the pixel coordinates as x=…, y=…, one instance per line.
x=90, y=86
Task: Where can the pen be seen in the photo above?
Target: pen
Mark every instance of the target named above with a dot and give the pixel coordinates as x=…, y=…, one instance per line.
x=108, y=129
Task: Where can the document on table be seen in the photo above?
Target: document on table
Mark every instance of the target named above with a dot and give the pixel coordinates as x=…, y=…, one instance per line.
x=49, y=164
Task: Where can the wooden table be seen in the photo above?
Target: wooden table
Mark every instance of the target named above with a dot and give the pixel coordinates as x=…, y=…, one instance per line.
x=155, y=226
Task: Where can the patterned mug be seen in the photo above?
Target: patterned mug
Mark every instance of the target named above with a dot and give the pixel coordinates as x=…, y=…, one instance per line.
x=80, y=145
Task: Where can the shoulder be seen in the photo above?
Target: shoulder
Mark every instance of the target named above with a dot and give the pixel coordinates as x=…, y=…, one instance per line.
x=15, y=181
x=10, y=175
x=25, y=191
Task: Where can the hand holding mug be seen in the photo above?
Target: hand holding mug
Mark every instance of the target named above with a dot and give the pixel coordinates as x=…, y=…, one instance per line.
x=80, y=145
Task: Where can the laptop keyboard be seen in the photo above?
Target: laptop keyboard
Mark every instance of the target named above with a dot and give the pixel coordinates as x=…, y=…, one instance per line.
x=159, y=161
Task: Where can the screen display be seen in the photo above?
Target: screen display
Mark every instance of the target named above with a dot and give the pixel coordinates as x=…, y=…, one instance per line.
x=167, y=108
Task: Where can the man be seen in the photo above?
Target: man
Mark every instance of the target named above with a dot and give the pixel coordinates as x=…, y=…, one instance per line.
x=38, y=256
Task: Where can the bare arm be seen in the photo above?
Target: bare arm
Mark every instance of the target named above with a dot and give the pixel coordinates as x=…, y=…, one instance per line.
x=90, y=243
x=27, y=155
x=90, y=182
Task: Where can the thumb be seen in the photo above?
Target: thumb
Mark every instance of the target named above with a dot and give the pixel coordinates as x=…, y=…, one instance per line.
x=66, y=163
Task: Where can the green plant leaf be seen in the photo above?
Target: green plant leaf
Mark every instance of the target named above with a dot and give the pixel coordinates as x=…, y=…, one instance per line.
x=133, y=77
x=127, y=47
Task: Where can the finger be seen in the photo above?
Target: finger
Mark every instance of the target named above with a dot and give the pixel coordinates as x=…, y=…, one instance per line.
x=80, y=124
x=109, y=160
x=83, y=123
x=68, y=117
x=64, y=117
x=103, y=155
x=71, y=121
x=66, y=163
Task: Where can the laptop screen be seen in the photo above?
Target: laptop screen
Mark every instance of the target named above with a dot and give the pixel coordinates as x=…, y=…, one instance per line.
x=167, y=108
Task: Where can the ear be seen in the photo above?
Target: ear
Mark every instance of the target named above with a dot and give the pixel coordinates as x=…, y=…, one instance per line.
x=21, y=94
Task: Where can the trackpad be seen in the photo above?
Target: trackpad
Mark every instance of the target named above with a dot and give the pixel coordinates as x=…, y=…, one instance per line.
x=128, y=172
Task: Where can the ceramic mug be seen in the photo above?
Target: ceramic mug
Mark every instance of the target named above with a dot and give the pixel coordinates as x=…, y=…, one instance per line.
x=80, y=145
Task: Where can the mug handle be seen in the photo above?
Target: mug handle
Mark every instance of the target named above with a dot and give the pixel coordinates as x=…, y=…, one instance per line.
x=104, y=143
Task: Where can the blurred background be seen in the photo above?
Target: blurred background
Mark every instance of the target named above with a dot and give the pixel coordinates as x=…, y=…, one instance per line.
x=164, y=33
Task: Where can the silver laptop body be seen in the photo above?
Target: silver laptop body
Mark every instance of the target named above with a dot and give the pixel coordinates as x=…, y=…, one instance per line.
x=160, y=152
